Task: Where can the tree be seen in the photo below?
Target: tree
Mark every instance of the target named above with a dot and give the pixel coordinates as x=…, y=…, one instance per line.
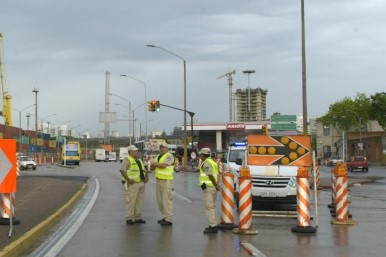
x=348, y=112
x=378, y=108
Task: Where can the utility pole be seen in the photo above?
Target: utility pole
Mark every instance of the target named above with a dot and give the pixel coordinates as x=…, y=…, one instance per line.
x=230, y=84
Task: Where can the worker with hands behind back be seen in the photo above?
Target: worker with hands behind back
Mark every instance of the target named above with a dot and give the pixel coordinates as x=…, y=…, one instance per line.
x=209, y=183
x=134, y=178
x=163, y=167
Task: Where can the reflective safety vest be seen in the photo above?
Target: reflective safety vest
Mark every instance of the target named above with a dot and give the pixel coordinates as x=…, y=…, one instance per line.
x=205, y=178
x=133, y=172
x=164, y=173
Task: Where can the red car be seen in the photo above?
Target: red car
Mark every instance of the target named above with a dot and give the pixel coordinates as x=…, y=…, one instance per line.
x=358, y=163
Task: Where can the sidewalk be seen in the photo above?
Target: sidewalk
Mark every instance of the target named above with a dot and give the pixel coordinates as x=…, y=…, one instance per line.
x=40, y=202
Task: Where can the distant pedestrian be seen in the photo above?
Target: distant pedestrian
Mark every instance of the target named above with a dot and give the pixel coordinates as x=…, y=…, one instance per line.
x=209, y=183
x=163, y=167
x=134, y=178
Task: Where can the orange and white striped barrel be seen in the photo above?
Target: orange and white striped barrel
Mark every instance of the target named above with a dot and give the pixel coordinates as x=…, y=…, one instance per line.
x=341, y=199
x=317, y=176
x=245, y=203
x=7, y=205
x=303, y=224
x=333, y=185
x=7, y=210
x=220, y=166
x=227, y=203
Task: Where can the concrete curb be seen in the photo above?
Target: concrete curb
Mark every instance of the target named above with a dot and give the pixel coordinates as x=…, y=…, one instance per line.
x=353, y=183
x=24, y=243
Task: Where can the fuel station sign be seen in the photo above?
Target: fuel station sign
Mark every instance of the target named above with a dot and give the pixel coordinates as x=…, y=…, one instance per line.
x=294, y=150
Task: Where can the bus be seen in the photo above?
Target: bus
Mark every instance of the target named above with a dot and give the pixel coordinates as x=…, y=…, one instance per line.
x=71, y=153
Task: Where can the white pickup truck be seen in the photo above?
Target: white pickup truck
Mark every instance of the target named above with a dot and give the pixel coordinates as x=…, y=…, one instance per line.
x=273, y=186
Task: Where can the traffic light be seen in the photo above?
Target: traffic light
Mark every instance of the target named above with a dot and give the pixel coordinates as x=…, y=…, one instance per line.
x=157, y=106
x=153, y=105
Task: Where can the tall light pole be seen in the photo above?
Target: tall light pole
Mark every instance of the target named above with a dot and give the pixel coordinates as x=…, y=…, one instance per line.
x=57, y=137
x=249, y=72
x=144, y=84
x=130, y=111
x=20, y=123
x=304, y=73
x=42, y=119
x=127, y=100
x=185, y=134
x=360, y=128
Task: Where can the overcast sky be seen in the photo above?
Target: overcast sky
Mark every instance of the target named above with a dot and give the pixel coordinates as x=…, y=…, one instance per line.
x=64, y=49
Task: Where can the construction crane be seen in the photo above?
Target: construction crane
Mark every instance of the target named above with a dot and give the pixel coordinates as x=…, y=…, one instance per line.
x=230, y=83
x=6, y=107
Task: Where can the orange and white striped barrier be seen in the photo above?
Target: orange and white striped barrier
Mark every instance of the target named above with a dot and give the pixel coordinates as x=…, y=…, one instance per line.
x=333, y=183
x=7, y=210
x=227, y=203
x=245, y=203
x=341, y=197
x=303, y=224
x=317, y=177
x=220, y=166
x=7, y=203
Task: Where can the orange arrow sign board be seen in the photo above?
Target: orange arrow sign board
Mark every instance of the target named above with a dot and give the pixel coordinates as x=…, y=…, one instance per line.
x=279, y=150
x=7, y=165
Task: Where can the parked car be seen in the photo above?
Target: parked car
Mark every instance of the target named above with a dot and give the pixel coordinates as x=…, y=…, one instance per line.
x=358, y=163
x=26, y=163
x=333, y=161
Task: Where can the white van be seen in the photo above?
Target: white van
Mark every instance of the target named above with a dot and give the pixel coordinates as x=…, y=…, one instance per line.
x=123, y=152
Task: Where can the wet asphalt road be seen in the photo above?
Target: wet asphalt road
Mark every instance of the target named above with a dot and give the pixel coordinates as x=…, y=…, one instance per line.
x=104, y=232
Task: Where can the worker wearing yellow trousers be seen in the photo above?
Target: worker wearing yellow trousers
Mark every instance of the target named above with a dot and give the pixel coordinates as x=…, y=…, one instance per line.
x=163, y=167
x=134, y=178
x=209, y=183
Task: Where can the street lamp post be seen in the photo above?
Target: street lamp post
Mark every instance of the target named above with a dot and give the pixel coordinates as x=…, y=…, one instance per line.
x=304, y=72
x=185, y=134
x=127, y=100
x=42, y=146
x=360, y=128
x=131, y=112
x=144, y=84
x=57, y=138
x=20, y=123
x=249, y=72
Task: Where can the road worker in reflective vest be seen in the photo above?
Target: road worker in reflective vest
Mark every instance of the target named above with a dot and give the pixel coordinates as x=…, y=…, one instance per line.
x=163, y=167
x=134, y=177
x=209, y=183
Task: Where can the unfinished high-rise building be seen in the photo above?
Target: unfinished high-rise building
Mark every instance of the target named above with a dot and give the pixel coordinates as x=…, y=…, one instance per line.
x=251, y=104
